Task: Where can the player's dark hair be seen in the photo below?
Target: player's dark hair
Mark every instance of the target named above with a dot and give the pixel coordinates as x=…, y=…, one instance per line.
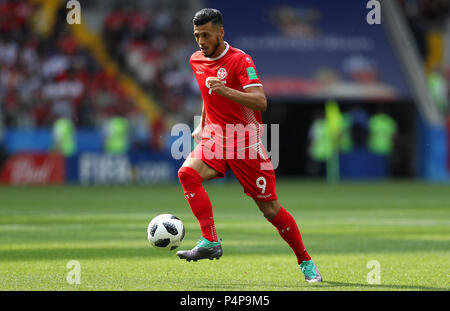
x=207, y=15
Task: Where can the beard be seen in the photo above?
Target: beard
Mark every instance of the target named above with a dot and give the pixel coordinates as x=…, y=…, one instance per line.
x=216, y=46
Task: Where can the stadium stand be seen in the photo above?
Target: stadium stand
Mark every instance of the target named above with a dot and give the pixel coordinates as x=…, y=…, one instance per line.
x=129, y=59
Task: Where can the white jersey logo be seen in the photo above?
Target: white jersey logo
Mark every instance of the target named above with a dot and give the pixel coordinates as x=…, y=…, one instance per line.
x=222, y=73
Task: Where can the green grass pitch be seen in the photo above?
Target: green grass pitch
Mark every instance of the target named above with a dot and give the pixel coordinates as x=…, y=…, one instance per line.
x=404, y=226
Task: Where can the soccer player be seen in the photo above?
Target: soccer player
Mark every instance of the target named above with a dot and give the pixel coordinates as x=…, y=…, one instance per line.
x=233, y=98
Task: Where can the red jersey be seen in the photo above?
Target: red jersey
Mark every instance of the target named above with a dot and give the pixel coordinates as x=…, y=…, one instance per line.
x=237, y=70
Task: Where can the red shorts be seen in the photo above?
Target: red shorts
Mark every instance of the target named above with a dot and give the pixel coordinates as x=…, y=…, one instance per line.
x=251, y=166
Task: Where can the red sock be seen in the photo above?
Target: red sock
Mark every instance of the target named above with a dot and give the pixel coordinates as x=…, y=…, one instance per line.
x=199, y=201
x=288, y=229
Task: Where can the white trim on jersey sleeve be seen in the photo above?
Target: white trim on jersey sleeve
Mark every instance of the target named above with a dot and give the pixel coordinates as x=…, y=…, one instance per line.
x=253, y=84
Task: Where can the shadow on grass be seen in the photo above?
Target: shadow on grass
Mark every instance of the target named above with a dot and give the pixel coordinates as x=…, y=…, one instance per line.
x=381, y=286
x=331, y=285
x=349, y=246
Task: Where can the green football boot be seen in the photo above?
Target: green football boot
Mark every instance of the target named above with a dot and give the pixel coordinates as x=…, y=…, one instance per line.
x=309, y=269
x=203, y=250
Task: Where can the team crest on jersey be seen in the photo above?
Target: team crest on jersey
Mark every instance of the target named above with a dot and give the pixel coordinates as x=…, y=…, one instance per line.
x=222, y=73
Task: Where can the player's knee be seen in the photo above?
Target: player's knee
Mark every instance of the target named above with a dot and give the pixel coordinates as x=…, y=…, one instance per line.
x=189, y=177
x=269, y=213
x=269, y=209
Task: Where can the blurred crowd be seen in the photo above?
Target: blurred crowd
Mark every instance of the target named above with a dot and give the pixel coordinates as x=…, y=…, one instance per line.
x=428, y=21
x=43, y=79
x=154, y=46
x=423, y=16
x=46, y=78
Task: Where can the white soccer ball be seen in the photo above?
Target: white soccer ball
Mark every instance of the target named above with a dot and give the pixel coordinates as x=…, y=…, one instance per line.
x=165, y=231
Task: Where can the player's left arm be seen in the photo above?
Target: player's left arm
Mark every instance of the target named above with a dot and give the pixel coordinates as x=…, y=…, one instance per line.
x=252, y=97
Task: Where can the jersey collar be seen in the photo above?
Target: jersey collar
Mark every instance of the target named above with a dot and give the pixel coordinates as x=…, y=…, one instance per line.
x=222, y=54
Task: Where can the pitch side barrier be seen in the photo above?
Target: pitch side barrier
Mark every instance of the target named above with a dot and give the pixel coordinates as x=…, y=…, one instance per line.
x=89, y=168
